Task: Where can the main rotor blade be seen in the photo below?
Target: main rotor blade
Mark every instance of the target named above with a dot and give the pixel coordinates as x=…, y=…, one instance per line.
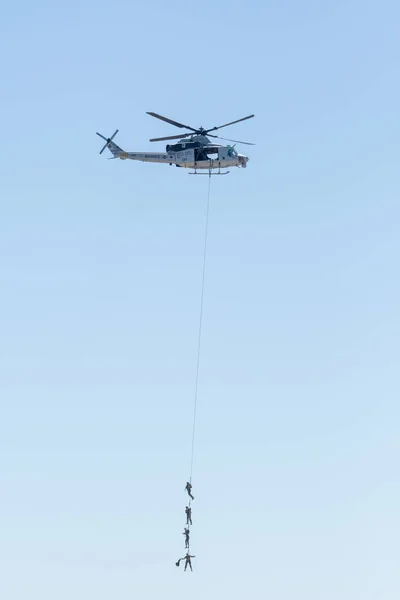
x=171, y=137
x=227, y=124
x=229, y=140
x=170, y=121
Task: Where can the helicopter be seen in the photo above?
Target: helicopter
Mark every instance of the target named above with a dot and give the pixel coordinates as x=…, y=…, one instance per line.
x=197, y=152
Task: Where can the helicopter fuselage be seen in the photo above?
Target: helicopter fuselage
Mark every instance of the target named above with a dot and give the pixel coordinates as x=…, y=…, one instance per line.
x=186, y=158
x=187, y=154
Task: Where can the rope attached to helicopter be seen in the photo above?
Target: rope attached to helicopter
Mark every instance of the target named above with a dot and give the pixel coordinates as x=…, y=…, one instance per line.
x=188, y=488
x=200, y=325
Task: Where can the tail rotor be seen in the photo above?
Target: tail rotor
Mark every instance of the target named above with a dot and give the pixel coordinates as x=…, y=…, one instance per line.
x=108, y=140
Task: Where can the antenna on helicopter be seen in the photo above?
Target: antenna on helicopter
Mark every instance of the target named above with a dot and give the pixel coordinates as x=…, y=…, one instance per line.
x=200, y=131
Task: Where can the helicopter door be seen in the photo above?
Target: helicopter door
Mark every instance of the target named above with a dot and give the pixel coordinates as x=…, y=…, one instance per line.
x=200, y=154
x=185, y=156
x=223, y=153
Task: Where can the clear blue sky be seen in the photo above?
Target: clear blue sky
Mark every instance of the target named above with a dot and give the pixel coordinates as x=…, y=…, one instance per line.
x=296, y=472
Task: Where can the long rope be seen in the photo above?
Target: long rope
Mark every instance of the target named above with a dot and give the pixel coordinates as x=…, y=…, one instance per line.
x=200, y=325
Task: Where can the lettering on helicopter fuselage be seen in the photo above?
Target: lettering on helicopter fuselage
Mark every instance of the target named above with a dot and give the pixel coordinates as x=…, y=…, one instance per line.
x=156, y=156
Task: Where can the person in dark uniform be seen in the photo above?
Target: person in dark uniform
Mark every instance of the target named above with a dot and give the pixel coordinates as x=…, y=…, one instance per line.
x=188, y=488
x=186, y=533
x=188, y=512
x=187, y=561
x=200, y=154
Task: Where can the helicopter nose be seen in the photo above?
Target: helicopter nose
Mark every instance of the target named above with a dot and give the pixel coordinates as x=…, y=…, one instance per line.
x=243, y=160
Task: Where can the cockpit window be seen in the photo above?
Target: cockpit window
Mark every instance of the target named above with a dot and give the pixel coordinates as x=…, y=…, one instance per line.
x=231, y=151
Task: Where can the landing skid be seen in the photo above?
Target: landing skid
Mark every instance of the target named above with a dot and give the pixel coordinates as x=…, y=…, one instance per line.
x=209, y=173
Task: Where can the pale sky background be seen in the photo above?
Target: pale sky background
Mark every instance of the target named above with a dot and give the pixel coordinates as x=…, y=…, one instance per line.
x=296, y=472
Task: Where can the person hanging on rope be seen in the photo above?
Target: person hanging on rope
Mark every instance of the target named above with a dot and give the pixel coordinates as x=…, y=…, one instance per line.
x=188, y=488
x=188, y=512
x=186, y=533
x=187, y=561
